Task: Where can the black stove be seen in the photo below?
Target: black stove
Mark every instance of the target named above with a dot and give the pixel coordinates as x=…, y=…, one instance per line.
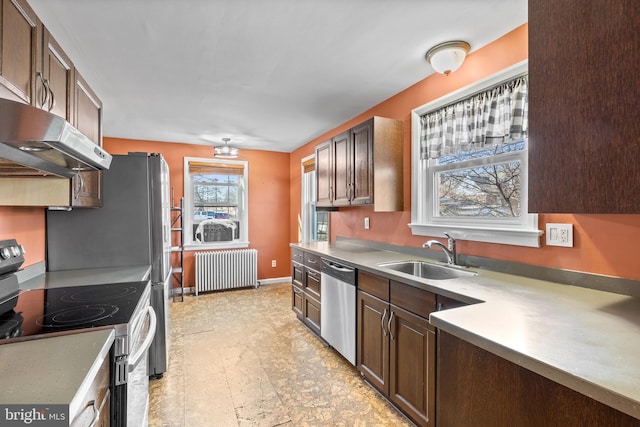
x=45, y=311
x=37, y=312
x=11, y=258
x=125, y=307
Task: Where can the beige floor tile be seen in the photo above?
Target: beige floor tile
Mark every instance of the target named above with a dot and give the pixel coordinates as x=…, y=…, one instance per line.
x=241, y=358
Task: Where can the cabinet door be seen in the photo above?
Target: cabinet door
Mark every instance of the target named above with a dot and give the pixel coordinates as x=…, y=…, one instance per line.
x=341, y=156
x=373, y=340
x=323, y=174
x=58, y=72
x=583, y=114
x=20, y=44
x=88, y=110
x=362, y=164
x=312, y=313
x=412, y=376
x=86, y=189
x=297, y=301
x=87, y=186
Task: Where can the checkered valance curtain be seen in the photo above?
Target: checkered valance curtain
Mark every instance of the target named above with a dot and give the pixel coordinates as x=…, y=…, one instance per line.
x=492, y=117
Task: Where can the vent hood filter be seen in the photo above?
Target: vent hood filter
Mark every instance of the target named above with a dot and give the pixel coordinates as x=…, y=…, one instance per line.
x=34, y=142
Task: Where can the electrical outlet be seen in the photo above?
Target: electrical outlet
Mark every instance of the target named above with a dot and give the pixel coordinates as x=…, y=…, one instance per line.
x=559, y=235
x=273, y=263
x=366, y=223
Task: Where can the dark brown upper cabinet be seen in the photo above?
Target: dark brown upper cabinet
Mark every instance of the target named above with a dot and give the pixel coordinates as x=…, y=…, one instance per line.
x=58, y=75
x=86, y=187
x=20, y=51
x=583, y=106
x=362, y=166
x=34, y=69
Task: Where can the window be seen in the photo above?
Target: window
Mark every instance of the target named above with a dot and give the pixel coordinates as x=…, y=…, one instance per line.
x=315, y=224
x=215, y=207
x=469, y=156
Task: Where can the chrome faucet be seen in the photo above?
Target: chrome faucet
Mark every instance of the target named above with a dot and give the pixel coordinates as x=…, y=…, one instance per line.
x=449, y=250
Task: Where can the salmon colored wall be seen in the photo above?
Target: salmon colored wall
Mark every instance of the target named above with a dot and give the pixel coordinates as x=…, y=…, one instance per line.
x=268, y=198
x=26, y=225
x=603, y=244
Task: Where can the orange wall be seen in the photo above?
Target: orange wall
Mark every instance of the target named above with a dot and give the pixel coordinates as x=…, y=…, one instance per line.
x=268, y=198
x=603, y=244
x=26, y=225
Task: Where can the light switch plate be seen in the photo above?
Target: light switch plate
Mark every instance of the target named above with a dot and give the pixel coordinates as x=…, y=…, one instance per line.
x=559, y=235
x=366, y=223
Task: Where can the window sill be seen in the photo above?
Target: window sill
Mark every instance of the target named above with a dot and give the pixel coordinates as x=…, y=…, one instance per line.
x=505, y=236
x=214, y=246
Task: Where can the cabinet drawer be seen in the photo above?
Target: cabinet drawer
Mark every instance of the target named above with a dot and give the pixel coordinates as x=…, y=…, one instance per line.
x=98, y=393
x=312, y=283
x=374, y=285
x=312, y=314
x=297, y=275
x=415, y=300
x=297, y=255
x=312, y=261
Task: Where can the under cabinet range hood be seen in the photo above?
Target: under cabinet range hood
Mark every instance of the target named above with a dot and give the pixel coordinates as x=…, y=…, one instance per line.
x=34, y=142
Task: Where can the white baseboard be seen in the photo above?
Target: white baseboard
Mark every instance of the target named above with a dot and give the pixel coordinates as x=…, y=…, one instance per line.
x=274, y=280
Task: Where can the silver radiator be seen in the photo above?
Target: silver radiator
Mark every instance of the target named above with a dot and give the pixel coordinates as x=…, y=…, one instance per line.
x=220, y=270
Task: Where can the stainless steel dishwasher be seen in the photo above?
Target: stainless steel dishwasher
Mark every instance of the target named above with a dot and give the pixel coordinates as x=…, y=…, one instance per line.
x=338, y=308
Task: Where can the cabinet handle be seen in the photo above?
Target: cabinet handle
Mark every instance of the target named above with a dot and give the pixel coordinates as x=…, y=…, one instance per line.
x=96, y=413
x=45, y=92
x=384, y=314
x=80, y=186
x=389, y=326
x=52, y=99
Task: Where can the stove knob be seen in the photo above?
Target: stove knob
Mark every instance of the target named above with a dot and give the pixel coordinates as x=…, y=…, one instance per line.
x=15, y=251
x=22, y=251
x=4, y=253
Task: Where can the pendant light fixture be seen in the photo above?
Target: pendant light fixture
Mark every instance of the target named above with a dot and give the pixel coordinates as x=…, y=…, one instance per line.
x=447, y=57
x=225, y=151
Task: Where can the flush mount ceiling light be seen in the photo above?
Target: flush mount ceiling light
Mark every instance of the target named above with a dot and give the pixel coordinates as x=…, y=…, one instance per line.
x=447, y=57
x=225, y=151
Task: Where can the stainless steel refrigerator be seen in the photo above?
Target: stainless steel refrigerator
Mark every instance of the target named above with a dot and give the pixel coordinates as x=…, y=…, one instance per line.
x=132, y=228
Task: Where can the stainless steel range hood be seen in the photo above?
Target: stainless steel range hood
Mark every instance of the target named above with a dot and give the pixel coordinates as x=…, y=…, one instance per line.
x=34, y=142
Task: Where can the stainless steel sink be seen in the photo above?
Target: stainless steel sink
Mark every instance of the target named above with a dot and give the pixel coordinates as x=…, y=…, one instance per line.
x=427, y=270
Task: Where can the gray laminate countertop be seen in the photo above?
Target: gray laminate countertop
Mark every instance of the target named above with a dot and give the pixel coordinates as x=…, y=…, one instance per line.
x=585, y=339
x=55, y=370
x=93, y=276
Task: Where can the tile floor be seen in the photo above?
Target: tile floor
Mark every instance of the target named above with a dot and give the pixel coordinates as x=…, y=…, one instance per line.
x=241, y=358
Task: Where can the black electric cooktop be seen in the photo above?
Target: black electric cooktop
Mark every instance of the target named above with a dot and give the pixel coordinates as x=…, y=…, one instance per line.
x=45, y=311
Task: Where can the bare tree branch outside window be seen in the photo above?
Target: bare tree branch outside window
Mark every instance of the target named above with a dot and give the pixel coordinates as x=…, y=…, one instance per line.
x=484, y=190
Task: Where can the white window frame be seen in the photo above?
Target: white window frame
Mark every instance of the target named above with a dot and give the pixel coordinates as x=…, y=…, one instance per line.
x=521, y=231
x=309, y=215
x=187, y=218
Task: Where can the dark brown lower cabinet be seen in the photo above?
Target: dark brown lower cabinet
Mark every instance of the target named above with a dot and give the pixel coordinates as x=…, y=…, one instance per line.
x=312, y=313
x=476, y=387
x=396, y=354
x=297, y=301
x=372, y=348
x=305, y=293
x=412, y=365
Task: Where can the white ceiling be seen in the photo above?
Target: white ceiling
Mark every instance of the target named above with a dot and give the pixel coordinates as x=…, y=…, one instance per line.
x=269, y=74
